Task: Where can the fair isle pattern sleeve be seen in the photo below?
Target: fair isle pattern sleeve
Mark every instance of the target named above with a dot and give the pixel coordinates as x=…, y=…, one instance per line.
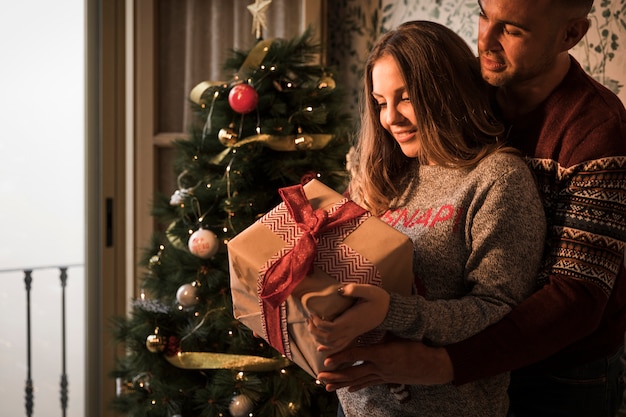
x=586, y=213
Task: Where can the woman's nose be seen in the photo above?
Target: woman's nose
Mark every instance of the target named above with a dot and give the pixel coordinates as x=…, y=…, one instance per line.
x=393, y=115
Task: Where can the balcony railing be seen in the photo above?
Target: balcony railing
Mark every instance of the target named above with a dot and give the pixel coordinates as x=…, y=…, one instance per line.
x=29, y=276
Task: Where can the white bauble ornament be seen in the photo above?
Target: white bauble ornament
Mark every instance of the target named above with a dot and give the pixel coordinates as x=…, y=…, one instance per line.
x=203, y=243
x=179, y=196
x=240, y=405
x=186, y=295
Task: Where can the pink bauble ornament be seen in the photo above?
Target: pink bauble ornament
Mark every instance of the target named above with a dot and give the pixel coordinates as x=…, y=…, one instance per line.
x=203, y=243
x=243, y=98
x=240, y=405
x=186, y=295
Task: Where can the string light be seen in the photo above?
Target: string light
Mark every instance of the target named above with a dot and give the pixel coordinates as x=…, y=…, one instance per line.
x=207, y=126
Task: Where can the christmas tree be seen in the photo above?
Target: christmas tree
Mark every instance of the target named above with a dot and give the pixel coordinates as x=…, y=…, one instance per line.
x=277, y=122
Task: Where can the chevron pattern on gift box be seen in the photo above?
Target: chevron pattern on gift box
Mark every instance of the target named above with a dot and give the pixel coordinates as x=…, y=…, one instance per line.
x=333, y=256
x=342, y=262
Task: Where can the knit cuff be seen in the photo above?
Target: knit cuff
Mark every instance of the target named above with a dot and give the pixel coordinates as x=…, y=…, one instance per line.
x=402, y=317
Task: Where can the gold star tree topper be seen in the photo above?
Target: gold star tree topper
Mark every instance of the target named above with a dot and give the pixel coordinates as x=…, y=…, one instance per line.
x=258, y=10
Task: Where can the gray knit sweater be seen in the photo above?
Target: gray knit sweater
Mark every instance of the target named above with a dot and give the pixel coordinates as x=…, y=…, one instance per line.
x=479, y=237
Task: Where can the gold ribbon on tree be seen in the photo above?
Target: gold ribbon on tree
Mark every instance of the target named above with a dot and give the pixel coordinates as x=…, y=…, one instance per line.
x=250, y=64
x=209, y=360
x=212, y=360
x=285, y=142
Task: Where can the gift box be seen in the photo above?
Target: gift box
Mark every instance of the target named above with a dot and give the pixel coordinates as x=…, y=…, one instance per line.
x=290, y=263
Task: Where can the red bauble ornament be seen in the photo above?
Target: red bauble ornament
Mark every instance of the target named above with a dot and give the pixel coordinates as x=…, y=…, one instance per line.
x=243, y=98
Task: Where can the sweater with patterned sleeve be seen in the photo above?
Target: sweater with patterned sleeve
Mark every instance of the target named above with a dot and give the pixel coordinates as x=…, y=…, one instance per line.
x=576, y=144
x=479, y=237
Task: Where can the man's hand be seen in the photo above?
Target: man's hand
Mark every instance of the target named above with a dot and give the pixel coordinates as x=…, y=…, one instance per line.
x=398, y=361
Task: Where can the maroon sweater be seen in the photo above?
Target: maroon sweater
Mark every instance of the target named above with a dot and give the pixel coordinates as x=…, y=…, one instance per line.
x=575, y=142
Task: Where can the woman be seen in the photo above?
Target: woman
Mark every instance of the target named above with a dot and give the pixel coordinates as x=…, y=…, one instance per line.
x=430, y=162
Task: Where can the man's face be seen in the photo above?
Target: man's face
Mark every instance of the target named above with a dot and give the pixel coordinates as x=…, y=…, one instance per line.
x=517, y=40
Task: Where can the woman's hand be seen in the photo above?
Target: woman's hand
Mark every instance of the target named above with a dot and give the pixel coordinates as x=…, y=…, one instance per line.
x=366, y=314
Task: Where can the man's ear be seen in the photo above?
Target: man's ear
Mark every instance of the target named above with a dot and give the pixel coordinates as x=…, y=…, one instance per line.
x=574, y=31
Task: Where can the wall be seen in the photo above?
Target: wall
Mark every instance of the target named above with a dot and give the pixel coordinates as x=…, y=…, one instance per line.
x=353, y=26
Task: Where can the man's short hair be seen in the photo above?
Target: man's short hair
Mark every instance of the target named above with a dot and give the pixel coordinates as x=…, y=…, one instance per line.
x=583, y=5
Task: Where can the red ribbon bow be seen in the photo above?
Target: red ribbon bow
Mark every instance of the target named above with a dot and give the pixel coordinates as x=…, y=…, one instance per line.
x=285, y=274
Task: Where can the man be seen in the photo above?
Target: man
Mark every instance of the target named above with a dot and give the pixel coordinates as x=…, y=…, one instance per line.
x=564, y=342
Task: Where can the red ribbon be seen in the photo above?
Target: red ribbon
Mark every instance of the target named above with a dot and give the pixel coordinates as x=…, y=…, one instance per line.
x=286, y=273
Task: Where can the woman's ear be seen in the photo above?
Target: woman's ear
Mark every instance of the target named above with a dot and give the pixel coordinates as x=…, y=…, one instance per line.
x=574, y=31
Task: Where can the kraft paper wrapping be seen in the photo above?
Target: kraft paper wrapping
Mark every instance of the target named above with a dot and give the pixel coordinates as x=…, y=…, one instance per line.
x=390, y=252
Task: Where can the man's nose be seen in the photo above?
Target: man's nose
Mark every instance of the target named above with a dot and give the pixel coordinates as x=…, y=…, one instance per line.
x=488, y=37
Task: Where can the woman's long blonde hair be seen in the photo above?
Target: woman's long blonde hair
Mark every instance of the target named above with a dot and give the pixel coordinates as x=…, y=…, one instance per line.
x=455, y=123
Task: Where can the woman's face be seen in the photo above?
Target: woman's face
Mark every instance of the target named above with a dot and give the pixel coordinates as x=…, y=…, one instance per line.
x=396, y=112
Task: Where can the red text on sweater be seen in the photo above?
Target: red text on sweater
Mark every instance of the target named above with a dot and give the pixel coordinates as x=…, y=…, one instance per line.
x=429, y=217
